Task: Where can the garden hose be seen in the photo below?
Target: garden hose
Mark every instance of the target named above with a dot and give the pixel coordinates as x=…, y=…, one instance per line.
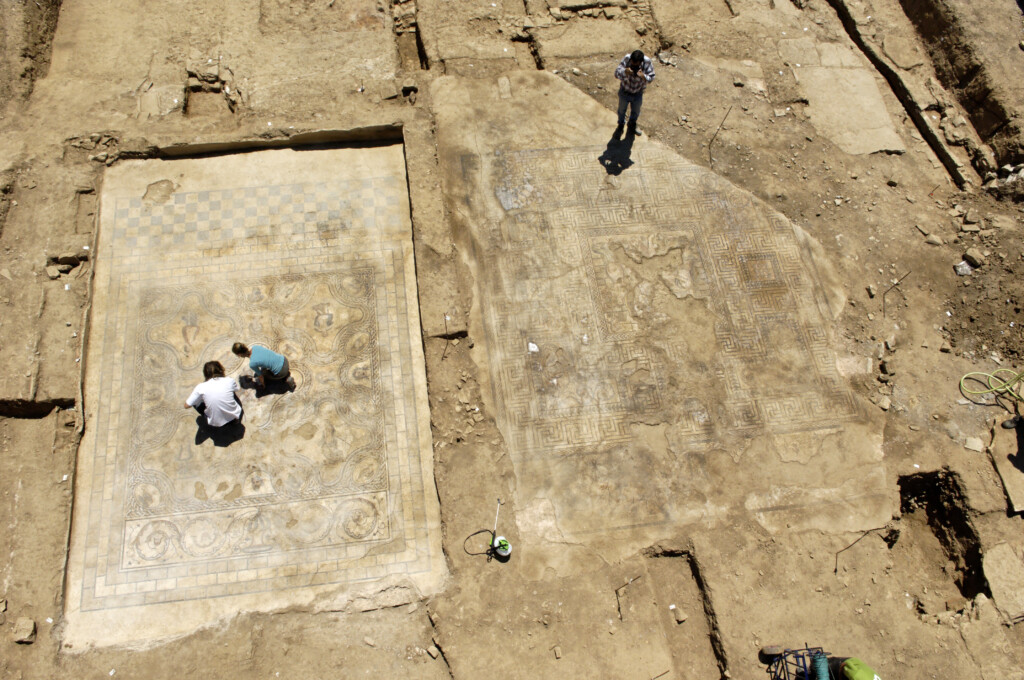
x=1002, y=382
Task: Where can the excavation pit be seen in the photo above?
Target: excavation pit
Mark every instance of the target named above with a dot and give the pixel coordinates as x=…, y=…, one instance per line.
x=936, y=522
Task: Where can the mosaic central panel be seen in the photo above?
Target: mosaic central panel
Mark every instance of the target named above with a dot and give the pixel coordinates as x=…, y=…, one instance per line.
x=575, y=359
x=315, y=465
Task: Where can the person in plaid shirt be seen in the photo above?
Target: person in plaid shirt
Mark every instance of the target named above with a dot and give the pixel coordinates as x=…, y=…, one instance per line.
x=634, y=71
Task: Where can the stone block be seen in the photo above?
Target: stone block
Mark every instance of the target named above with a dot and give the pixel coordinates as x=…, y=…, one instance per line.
x=24, y=631
x=584, y=38
x=1004, y=571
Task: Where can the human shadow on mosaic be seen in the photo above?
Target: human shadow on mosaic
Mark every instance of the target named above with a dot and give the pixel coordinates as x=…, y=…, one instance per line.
x=271, y=388
x=223, y=436
x=616, y=156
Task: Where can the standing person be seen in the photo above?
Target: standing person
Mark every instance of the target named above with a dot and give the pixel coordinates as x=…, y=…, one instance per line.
x=634, y=71
x=265, y=364
x=215, y=398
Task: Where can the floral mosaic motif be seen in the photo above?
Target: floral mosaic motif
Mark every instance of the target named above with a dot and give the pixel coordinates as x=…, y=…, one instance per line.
x=318, y=451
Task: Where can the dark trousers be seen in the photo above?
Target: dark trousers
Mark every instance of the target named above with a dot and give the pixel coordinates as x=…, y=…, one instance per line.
x=634, y=101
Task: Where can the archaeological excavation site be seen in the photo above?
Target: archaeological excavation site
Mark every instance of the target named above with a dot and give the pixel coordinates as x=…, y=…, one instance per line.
x=370, y=338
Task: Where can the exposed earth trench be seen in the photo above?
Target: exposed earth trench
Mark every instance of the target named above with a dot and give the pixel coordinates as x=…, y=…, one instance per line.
x=708, y=376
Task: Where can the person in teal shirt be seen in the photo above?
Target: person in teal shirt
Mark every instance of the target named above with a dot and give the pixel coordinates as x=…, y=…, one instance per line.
x=265, y=364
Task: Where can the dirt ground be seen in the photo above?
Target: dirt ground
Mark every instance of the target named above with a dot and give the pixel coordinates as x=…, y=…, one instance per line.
x=894, y=208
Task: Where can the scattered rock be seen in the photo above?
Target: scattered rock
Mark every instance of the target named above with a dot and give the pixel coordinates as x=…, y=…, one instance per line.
x=667, y=58
x=924, y=232
x=72, y=259
x=389, y=89
x=885, y=403
x=974, y=444
x=970, y=228
x=433, y=651
x=1001, y=222
x=971, y=217
x=53, y=272
x=678, y=613
x=946, y=347
x=871, y=291
x=24, y=631
x=558, y=651
x=369, y=642
x=933, y=239
x=974, y=257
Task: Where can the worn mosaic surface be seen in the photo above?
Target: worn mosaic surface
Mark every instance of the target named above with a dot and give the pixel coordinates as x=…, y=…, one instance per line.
x=653, y=324
x=559, y=245
x=323, y=485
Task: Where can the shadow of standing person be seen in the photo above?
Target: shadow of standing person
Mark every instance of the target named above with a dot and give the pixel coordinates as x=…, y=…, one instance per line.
x=616, y=158
x=1017, y=424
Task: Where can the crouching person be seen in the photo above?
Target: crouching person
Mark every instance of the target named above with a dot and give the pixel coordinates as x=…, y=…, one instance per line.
x=265, y=364
x=215, y=398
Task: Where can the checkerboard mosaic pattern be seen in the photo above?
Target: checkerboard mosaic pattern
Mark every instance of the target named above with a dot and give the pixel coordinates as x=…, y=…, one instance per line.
x=325, y=486
x=284, y=213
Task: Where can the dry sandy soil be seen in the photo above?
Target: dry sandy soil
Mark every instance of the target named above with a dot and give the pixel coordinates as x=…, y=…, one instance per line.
x=888, y=131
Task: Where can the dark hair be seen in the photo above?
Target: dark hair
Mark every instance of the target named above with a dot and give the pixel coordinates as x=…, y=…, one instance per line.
x=213, y=369
x=637, y=56
x=240, y=349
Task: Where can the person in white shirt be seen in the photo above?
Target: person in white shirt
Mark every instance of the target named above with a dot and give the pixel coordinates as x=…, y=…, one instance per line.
x=216, y=397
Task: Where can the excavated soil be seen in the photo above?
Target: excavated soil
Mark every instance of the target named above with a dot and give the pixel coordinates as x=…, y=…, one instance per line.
x=787, y=465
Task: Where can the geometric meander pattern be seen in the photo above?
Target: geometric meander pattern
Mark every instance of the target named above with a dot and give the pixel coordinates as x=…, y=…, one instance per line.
x=325, y=485
x=567, y=316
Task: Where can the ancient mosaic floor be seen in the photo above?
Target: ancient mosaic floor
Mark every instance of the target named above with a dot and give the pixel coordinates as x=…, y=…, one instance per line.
x=657, y=341
x=330, y=486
